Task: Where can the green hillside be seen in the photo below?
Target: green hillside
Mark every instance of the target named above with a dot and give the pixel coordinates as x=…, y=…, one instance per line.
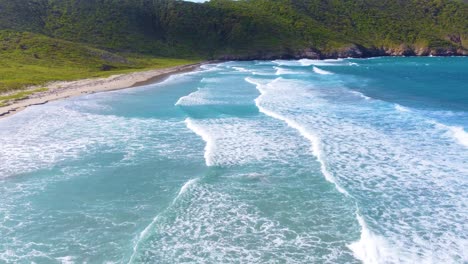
x=92, y=33
x=32, y=59
x=246, y=27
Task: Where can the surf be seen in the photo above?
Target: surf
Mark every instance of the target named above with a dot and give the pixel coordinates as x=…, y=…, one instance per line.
x=370, y=248
x=210, y=146
x=321, y=72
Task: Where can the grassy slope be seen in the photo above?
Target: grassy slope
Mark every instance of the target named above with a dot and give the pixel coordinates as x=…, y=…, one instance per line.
x=33, y=59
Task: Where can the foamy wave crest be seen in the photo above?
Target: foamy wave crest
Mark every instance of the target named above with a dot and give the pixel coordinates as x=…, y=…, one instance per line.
x=283, y=71
x=256, y=81
x=460, y=134
x=210, y=143
x=144, y=234
x=363, y=96
x=309, y=62
x=240, y=69
x=237, y=141
x=315, y=141
x=199, y=97
x=457, y=132
x=209, y=67
x=186, y=186
x=322, y=72
x=215, y=226
x=370, y=248
x=286, y=62
x=401, y=108
x=327, y=62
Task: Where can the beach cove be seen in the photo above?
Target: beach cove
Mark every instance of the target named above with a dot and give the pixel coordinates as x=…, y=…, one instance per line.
x=290, y=161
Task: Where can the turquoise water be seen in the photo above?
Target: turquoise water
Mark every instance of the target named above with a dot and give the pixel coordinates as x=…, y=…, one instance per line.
x=336, y=161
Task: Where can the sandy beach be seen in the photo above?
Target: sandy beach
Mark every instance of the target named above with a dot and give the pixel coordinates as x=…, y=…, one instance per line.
x=65, y=89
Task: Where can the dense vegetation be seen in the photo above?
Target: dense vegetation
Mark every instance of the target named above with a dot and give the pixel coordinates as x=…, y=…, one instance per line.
x=31, y=59
x=92, y=32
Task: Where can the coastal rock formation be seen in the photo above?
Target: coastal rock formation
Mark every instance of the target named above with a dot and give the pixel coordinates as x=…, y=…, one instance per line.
x=350, y=51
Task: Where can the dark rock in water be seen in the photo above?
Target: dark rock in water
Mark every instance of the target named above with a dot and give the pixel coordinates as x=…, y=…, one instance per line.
x=422, y=51
x=443, y=52
x=106, y=67
x=462, y=52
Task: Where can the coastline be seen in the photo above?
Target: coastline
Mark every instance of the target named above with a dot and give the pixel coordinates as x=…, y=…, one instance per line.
x=66, y=89
x=351, y=51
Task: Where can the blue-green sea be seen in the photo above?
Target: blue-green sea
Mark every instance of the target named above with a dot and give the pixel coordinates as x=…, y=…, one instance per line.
x=303, y=161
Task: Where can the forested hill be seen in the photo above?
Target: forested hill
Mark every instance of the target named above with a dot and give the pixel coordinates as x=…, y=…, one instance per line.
x=249, y=29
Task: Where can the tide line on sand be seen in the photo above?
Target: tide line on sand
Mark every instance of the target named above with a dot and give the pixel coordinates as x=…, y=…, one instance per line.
x=65, y=89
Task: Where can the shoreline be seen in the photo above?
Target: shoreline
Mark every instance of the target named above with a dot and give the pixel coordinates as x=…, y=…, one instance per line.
x=65, y=89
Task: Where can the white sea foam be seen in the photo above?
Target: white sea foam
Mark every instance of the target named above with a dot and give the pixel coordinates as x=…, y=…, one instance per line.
x=210, y=146
x=360, y=95
x=209, y=67
x=255, y=71
x=217, y=226
x=240, y=69
x=314, y=140
x=283, y=71
x=322, y=72
x=381, y=156
x=327, y=62
x=346, y=154
x=401, y=108
x=257, y=81
x=199, y=97
x=280, y=71
x=66, y=260
x=41, y=137
x=186, y=186
x=237, y=141
x=404, y=173
x=261, y=73
x=371, y=249
x=287, y=62
x=144, y=234
x=458, y=133
x=309, y=62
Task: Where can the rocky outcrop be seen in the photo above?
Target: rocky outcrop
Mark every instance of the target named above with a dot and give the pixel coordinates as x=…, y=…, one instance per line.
x=308, y=53
x=356, y=51
x=350, y=51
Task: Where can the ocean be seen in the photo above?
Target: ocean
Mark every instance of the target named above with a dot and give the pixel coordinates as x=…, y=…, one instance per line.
x=285, y=161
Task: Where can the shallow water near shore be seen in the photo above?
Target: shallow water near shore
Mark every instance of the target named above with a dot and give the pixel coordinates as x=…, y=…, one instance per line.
x=335, y=161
